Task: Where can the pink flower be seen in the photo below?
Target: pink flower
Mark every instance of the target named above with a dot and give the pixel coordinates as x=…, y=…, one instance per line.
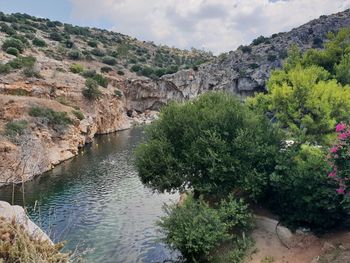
x=334, y=149
x=332, y=174
x=343, y=136
x=340, y=127
x=341, y=190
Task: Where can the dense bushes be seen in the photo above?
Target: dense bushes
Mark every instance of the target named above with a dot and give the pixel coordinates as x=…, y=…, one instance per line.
x=203, y=145
x=15, y=128
x=76, y=68
x=51, y=116
x=109, y=60
x=22, y=62
x=301, y=193
x=92, y=74
x=39, y=42
x=12, y=51
x=91, y=90
x=196, y=229
x=13, y=43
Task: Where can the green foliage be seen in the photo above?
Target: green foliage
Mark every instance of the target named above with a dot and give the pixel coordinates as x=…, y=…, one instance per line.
x=91, y=90
x=39, y=42
x=203, y=144
x=74, y=54
x=271, y=57
x=15, y=128
x=97, y=52
x=79, y=114
x=120, y=72
x=109, y=60
x=56, y=36
x=342, y=70
x=92, y=74
x=245, y=49
x=301, y=193
x=260, y=40
x=5, y=68
x=22, y=62
x=31, y=72
x=12, y=51
x=51, y=116
x=196, y=229
x=76, y=68
x=92, y=43
x=14, y=43
x=106, y=69
x=118, y=93
x=7, y=29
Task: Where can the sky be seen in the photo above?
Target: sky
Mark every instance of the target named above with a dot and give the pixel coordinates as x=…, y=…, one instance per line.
x=215, y=25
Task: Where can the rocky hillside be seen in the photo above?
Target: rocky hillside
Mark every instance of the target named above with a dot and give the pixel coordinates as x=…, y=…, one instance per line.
x=62, y=84
x=245, y=70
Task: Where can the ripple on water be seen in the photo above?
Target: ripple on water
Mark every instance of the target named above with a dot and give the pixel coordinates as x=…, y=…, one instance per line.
x=97, y=203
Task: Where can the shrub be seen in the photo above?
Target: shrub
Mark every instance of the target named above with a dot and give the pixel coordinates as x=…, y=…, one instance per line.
x=74, y=54
x=53, y=117
x=135, y=68
x=120, y=72
x=271, y=57
x=97, y=52
x=106, y=69
x=30, y=72
x=13, y=42
x=340, y=158
x=21, y=247
x=5, y=68
x=109, y=60
x=300, y=192
x=210, y=152
x=39, y=42
x=7, y=29
x=15, y=128
x=91, y=90
x=342, y=72
x=12, y=51
x=118, y=93
x=79, y=114
x=101, y=80
x=68, y=43
x=22, y=62
x=92, y=43
x=56, y=36
x=76, y=68
x=260, y=40
x=196, y=230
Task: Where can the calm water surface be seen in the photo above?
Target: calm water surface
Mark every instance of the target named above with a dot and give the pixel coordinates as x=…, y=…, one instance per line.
x=97, y=203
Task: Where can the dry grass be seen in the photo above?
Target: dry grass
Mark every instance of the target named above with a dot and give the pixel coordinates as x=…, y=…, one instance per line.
x=17, y=246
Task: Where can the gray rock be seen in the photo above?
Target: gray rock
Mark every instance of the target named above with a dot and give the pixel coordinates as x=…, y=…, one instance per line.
x=9, y=212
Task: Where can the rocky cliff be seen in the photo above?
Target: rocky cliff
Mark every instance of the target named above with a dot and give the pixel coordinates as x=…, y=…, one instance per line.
x=242, y=72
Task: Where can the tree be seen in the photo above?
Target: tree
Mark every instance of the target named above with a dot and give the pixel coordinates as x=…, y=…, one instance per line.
x=91, y=90
x=213, y=144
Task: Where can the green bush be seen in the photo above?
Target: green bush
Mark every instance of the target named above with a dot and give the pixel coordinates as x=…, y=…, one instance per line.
x=91, y=90
x=92, y=43
x=135, y=68
x=195, y=229
x=56, y=36
x=109, y=60
x=97, y=52
x=301, y=193
x=92, y=74
x=15, y=128
x=118, y=93
x=31, y=72
x=79, y=114
x=260, y=40
x=120, y=72
x=210, y=152
x=22, y=62
x=5, y=68
x=39, y=42
x=12, y=51
x=76, y=68
x=7, y=29
x=13, y=42
x=53, y=117
x=106, y=69
x=74, y=54
x=271, y=57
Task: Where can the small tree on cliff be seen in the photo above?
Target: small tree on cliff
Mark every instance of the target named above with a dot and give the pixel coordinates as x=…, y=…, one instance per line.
x=213, y=144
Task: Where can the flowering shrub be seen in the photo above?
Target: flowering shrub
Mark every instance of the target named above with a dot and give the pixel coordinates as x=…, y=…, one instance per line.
x=340, y=158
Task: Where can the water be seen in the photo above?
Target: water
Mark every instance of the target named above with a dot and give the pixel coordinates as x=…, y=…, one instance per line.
x=97, y=203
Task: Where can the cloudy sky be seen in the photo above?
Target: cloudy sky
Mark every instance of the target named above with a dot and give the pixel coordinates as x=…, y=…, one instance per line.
x=216, y=25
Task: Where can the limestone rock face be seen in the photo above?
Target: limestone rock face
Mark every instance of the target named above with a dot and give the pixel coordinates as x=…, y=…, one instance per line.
x=16, y=212
x=241, y=72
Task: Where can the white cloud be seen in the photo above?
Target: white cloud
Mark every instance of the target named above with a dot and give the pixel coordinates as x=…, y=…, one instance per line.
x=210, y=24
